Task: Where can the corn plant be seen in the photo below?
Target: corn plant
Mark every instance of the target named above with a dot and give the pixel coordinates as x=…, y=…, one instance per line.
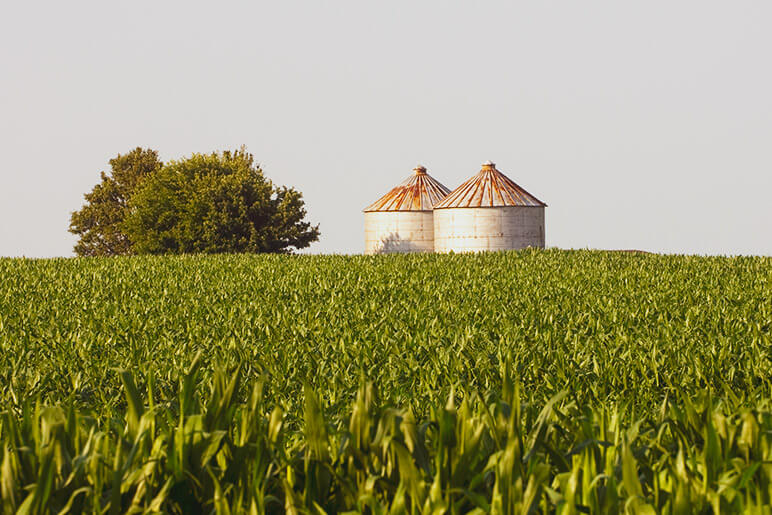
x=537, y=381
x=212, y=453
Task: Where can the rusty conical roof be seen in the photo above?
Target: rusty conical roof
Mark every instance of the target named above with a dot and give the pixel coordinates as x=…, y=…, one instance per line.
x=419, y=192
x=489, y=188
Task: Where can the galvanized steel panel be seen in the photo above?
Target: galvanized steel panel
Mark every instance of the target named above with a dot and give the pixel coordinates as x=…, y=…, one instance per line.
x=488, y=229
x=399, y=231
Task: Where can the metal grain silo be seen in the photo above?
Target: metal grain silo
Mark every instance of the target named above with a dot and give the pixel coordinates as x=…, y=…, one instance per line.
x=402, y=220
x=488, y=212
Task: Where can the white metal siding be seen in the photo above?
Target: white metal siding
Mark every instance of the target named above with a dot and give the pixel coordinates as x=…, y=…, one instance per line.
x=399, y=231
x=488, y=228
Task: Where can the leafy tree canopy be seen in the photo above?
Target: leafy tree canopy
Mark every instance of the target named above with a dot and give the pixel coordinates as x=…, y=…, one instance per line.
x=212, y=203
x=98, y=223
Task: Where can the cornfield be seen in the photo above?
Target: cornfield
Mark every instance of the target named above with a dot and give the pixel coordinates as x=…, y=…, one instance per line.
x=537, y=381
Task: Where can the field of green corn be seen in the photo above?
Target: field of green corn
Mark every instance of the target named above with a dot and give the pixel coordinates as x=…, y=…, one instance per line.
x=535, y=381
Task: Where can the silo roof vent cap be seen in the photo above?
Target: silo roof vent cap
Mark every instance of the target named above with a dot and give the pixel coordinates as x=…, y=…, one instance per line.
x=420, y=170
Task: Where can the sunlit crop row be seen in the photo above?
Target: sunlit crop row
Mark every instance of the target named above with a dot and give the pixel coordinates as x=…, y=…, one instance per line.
x=493, y=454
x=651, y=374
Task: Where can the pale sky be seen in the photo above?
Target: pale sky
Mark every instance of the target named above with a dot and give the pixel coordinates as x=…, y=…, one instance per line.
x=643, y=125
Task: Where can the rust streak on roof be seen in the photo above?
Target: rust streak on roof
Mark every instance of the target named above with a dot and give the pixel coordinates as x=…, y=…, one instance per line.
x=419, y=192
x=489, y=188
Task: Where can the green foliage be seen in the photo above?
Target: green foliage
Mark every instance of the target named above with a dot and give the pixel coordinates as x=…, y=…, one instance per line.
x=492, y=383
x=98, y=222
x=617, y=328
x=216, y=203
x=494, y=455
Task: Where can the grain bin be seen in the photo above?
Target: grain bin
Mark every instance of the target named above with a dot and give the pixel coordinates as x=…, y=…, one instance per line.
x=488, y=212
x=402, y=220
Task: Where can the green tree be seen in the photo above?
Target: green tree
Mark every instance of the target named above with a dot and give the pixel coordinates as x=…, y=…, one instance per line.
x=219, y=202
x=99, y=221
